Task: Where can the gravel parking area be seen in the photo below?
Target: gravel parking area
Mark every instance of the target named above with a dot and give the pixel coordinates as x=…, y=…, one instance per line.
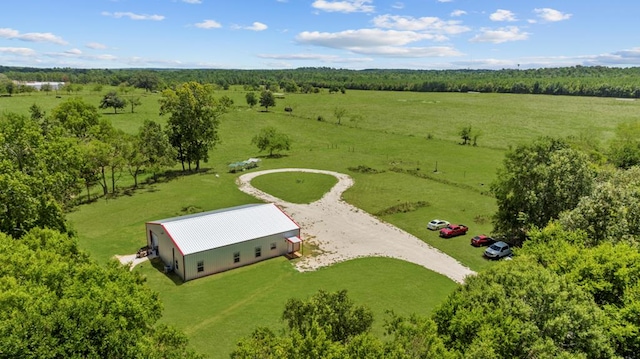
x=343, y=232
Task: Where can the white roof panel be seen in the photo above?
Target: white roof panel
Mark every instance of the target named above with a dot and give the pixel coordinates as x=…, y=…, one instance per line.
x=203, y=231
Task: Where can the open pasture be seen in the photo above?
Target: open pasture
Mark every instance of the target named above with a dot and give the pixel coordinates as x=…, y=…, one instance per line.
x=409, y=139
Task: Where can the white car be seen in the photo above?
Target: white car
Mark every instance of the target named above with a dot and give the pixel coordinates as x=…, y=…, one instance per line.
x=498, y=250
x=437, y=224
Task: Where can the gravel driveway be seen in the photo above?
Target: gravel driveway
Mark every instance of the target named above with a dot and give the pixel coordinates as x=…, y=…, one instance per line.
x=344, y=232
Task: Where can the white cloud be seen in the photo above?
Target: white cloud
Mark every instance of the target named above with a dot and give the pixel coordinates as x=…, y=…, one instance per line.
x=192, y=1
x=77, y=54
x=133, y=16
x=31, y=36
x=398, y=5
x=316, y=57
x=360, y=38
x=96, y=46
x=409, y=52
x=387, y=43
x=256, y=26
x=551, y=15
x=427, y=24
x=503, y=15
x=208, y=24
x=455, y=13
x=20, y=51
x=346, y=6
x=9, y=33
x=497, y=36
x=445, y=0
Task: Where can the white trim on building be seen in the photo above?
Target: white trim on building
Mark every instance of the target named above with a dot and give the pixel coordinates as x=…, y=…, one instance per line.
x=210, y=242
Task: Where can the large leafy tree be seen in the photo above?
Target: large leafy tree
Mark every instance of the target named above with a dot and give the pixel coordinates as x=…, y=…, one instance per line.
x=77, y=116
x=608, y=272
x=58, y=303
x=611, y=212
x=25, y=204
x=38, y=175
x=251, y=98
x=624, y=149
x=536, y=183
x=147, y=80
x=519, y=309
x=154, y=148
x=113, y=100
x=324, y=326
x=334, y=311
x=194, y=118
x=267, y=99
x=269, y=139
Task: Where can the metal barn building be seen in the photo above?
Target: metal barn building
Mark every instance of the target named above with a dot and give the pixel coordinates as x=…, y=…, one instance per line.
x=201, y=244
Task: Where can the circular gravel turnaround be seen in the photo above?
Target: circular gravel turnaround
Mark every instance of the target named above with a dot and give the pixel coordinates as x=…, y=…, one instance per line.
x=343, y=232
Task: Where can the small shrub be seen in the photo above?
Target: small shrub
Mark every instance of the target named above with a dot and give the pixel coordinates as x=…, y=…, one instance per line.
x=481, y=219
x=364, y=169
x=429, y=136
x=320, y=118
x=403, y=208
x=190, y=210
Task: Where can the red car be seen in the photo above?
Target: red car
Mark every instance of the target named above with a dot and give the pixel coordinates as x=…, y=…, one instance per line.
x=453, y=230
x=482, y=240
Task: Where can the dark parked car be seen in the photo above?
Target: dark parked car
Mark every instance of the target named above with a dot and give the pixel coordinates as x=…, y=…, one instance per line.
x=482, y=240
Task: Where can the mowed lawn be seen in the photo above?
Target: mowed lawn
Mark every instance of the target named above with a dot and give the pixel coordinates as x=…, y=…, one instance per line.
x=216, y=311
x=295, y=187
x=410, y=139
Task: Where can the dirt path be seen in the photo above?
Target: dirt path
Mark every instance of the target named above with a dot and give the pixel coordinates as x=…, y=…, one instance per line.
x=344, y=232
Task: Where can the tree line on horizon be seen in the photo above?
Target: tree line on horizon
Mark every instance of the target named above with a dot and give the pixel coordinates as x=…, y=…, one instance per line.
x=598, y=81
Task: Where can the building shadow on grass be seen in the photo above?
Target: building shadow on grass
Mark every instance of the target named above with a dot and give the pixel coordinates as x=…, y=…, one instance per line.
x=159, y=265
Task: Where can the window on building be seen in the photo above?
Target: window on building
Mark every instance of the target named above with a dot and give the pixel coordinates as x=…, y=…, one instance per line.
x=258, y=252
x=236, y=257
x=177, y=265
x=273, y=245
x=201, y=266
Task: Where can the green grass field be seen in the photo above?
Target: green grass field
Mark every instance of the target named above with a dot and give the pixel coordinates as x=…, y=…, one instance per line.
x=411, y=139
x=217, y=310
x=295, y=187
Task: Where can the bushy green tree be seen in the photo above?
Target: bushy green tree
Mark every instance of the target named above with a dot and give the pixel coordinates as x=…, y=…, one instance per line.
x=58, y=303
x=76, y=116
x=519, y=309
x=339, y=113
x=465, y=135
x=611, y=212
x=153, y=147
x=39, y=176
x=327, y=325
x=147, y=80
x=414, y=337
x=536, y=183
x=334, y=311
x=269, y=139
x=194, y=118
x=251, y=98
x=267, y=99
x=624, y=149
x=608, y=272
x=113, y=100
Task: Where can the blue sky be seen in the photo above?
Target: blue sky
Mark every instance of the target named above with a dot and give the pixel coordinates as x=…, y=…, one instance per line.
x=350, y=34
